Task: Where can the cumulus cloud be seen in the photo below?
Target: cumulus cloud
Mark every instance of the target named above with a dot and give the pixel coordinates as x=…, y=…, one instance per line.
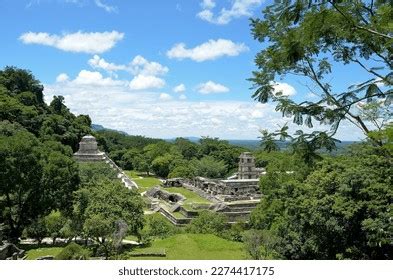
x=84, y=42
x=141, y=82
x=90, y=78
x=209, y=50
x=182, y=97
x=179, y=88
x=61, y=78
x=140, y=65
x=165, y=97
x=145, y=72
x=145, y=113
x=283, y=89
x=99, y=63
x=211, y=87
x=239, y=8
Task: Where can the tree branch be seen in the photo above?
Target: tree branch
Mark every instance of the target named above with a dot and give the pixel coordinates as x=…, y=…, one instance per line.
x=359, y=26
x=369, y=70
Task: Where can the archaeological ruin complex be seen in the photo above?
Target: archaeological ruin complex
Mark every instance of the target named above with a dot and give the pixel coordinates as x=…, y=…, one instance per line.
x=235, y=197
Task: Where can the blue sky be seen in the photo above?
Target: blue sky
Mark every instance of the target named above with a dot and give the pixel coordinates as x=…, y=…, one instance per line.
x=156, y=68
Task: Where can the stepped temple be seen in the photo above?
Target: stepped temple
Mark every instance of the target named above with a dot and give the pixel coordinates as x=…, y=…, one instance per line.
x=88, y=150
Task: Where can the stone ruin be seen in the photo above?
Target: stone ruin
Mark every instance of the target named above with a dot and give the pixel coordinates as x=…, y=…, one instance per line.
x=159, y=193
x=242, y=186
x=234, y=197
x=89, y=152
x=247, y=169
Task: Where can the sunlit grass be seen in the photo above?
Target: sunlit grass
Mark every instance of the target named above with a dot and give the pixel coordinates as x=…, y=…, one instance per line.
x=195, y=247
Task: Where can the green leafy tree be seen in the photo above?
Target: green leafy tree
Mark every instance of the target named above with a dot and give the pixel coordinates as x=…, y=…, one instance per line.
x=141, y=163
x=20, y=171
x=183, y=169
x=260, y=245
x=209, y=167
x=158, y=226
x=188, y=149
x=13, y=110
x=36, y=230
x=309, y=38
x=268, y=143
x=35, y=178
x=128, y=158
x=161, y=165
x=18, y=81
x=208, y=222
x=54, y=224
x=340, y=211
x=100, y=220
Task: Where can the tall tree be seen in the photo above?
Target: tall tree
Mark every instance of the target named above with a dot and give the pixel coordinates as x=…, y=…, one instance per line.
x=101, y=220
x=308, y=38
x=35, y=178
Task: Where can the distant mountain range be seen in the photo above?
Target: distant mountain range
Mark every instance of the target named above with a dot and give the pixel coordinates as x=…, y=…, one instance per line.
x=248, y=144
x=98, y=127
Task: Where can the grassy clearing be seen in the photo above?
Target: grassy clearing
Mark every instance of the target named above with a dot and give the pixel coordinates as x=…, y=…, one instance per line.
x=33, y=254
x=191, y=196
x=195, y=247
x=178, y=215
x=144, y=182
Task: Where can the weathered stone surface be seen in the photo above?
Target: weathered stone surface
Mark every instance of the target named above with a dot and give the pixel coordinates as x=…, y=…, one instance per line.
x=88, y=150
x=247, y=169
x=159, y=193
x=173, y=182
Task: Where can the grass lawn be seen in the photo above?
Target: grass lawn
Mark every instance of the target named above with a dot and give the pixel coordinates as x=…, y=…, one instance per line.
x=33, y=254
x=143, y=183
x=191, y=196
x=195, y=247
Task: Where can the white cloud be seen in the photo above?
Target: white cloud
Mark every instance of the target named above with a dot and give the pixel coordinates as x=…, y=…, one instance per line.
x=146, y=72
x=208, y=4
x=140, y=65
x=284, y=89
x=144, y=113
x=182, y=97
x=61, y=78
x=108, y=8
x=93, y=42
x=90, y=78
x=179, y=88
x=100, y=63
x=211, y=87
x=141, y=82
x=240, y=8
x=165, y=97
x=210, y=50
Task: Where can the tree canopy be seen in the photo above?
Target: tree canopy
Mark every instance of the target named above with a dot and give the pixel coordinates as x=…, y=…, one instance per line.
x=37, y=171
x=310, y=38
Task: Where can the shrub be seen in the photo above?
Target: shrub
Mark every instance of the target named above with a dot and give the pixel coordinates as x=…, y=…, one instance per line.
x=158, y=226
x=73, y=251
x=208, y=222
